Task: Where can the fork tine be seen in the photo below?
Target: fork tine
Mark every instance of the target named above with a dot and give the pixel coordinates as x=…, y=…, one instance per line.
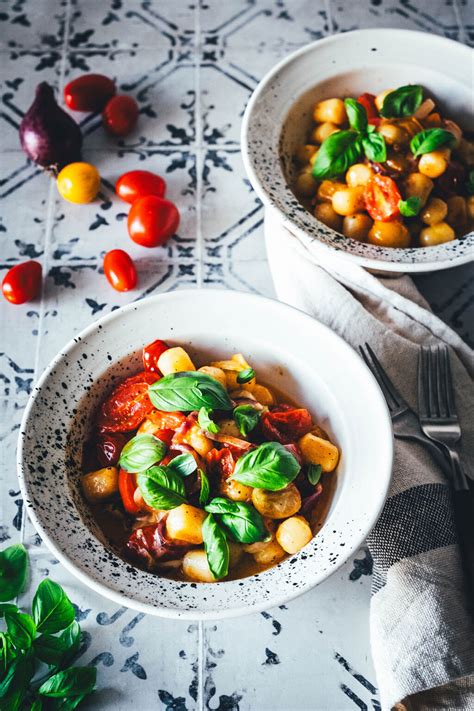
x=450, y=403
x=422, y=401
x=388, y=383
x=374, y=372
x=430, y=381
x=441, y=382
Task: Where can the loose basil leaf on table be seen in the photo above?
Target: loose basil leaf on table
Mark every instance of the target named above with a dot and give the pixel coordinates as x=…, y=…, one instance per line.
x=337, y=154
x=246, y=418
x=216, y=547
x=402, y=102
x=240, y=519
x=374, y=147
x=356, y=114
x=205, y=422
x=76, y=681
x=205, y=489
x=14, y=685
x=430, y=140
x=52, y=609
x=314, y=473
x=7, y=607
x=270, y=466
x=188, y=391
x=410, y=207
x=183, y=464
x=245, y=376
x=58, y=651
x=13, y=571
x=141, y=453
x=21, y=628
x=161, y=488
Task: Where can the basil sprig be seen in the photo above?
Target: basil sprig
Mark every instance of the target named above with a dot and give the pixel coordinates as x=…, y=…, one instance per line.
x=52, y=609
x=183, y=464
x=188, y=391
x=141, y=453
x=205, y=488
x=374, y=146
x=13, y=571
x=241, y=520
x=270, y=466
x=216, y=547
x=430, y=140
x=162, y=488
x=410, y=207
x=357, y=115
x=314, y=473
x=402, y=102
x=245, y=376
x=246, y=418
x=205, y=422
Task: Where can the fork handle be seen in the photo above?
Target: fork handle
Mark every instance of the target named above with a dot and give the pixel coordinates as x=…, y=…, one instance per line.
x=436, y=452
x=459, y=479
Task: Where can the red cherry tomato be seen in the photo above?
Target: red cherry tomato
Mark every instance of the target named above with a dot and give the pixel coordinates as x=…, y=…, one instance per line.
x=127, y=486
x=139, y=183
x=167, y=420
x=166, y=436
x=152, y=220
x=220, y=463
x=120, y=115
x=108, y=448
x=368, y=102
x=128, y=405
x=22, y=283
x=382, y=198
x=120, y=270
x=286, y=424
x=376, y=121
x=90, y=92
x=151, y=353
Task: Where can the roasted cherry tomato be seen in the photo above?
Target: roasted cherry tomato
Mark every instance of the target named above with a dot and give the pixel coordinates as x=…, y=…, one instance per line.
x=382, y=198
x=152, y=220
x=108, y=448
x=120, y=115
x=368, y=102
x=167, y=420
x=90, y=92
x=128, y=405
x=286, y=424
x=151, y=353
x=22, y=283
x=78, y=183
x=166, y=435
x=139, y=183
x=150, y=543
x=221, y=463
x=127, y=486
x=120, y=270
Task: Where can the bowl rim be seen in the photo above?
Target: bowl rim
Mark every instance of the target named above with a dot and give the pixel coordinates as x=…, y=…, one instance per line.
x=102, y=587
x=437, y=263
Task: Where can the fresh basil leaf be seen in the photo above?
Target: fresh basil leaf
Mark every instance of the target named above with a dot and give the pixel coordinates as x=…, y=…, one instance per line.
x=470, y=183
x=188, y=391
x=205, y=489
x=37, y=705
x=374, y=147
x=205, y=422
x=246, y=418
x=49, y=649
x=245, y=376
x=337, y=154
x=14, y=684
x=183, y=464
x=161, y=488
x=69, y=683
x=141, y=453
x=357, y=115
x=410, y=207
x=216, y=547
x=314, y=473
x=7, y=652
x=7, y=607
x=404, y=101
x=21, y=628
x=65, y=704
x=240, y=519
x=13, y=571
x=430, y=140
x=71, y=637
x=52, y=609
x=270, y=466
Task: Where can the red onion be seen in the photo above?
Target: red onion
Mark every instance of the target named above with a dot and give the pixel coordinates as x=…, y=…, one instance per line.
x=48, y=135
x=309, y=502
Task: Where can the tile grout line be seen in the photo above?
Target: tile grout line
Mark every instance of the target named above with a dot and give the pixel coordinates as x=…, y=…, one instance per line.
x=459, y=20
x=200, y=693
x=198, y=128
x=327, y=5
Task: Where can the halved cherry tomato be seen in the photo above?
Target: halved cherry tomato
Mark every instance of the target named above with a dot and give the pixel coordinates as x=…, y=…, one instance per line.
x=22, y=282
x=167, y=420
x=108, y=448
x=166, y=435
x=120, y=270
x=128, y=405
x=368, y=102
x=139, y=183
x=151, y=353
x=127, y=486
x=152, y=220
x=120, y=115
x=286, y=424
x=220, y=463
x=381, y=198
x=90, y=92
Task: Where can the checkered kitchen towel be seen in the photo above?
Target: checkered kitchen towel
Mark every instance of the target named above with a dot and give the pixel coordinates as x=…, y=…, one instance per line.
x=422, y=633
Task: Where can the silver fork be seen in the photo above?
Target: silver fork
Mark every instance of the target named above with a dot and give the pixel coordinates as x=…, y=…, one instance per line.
x=437, y=409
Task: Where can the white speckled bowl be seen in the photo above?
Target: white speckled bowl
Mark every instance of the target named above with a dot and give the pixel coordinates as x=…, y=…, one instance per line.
x=278, y=118
x=289, y=350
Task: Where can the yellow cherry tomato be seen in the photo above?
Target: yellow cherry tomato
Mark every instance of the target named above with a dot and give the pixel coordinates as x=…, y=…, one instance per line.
x=78, y=182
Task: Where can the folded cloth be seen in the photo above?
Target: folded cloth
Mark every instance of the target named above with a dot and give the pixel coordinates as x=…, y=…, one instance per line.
x=421, y=625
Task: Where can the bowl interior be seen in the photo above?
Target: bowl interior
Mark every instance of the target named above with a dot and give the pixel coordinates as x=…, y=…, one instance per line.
x=290, y=351
x=278, y=119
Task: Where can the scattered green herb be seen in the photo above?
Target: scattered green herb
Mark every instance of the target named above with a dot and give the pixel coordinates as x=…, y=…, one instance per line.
x=430, y=140
x=162, y=488
x=402, y=102
x=216, y=546
x=141, y=453
x=246, y=418
x=240, y=519
x=205, y=489
x=245, y=376
x=183, y=464
x=188, y=391
x=314, y=473
x=269, y=466
x=410, y=207
x=337, y=154
x=357, y=115
x=205, y=422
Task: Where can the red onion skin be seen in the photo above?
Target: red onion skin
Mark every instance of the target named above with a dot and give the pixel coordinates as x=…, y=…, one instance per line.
x=48, y=135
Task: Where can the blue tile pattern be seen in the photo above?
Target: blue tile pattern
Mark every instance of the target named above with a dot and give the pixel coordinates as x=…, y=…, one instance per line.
x=191, y=65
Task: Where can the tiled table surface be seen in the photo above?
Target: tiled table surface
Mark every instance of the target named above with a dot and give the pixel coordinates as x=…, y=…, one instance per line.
x=192, y=68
